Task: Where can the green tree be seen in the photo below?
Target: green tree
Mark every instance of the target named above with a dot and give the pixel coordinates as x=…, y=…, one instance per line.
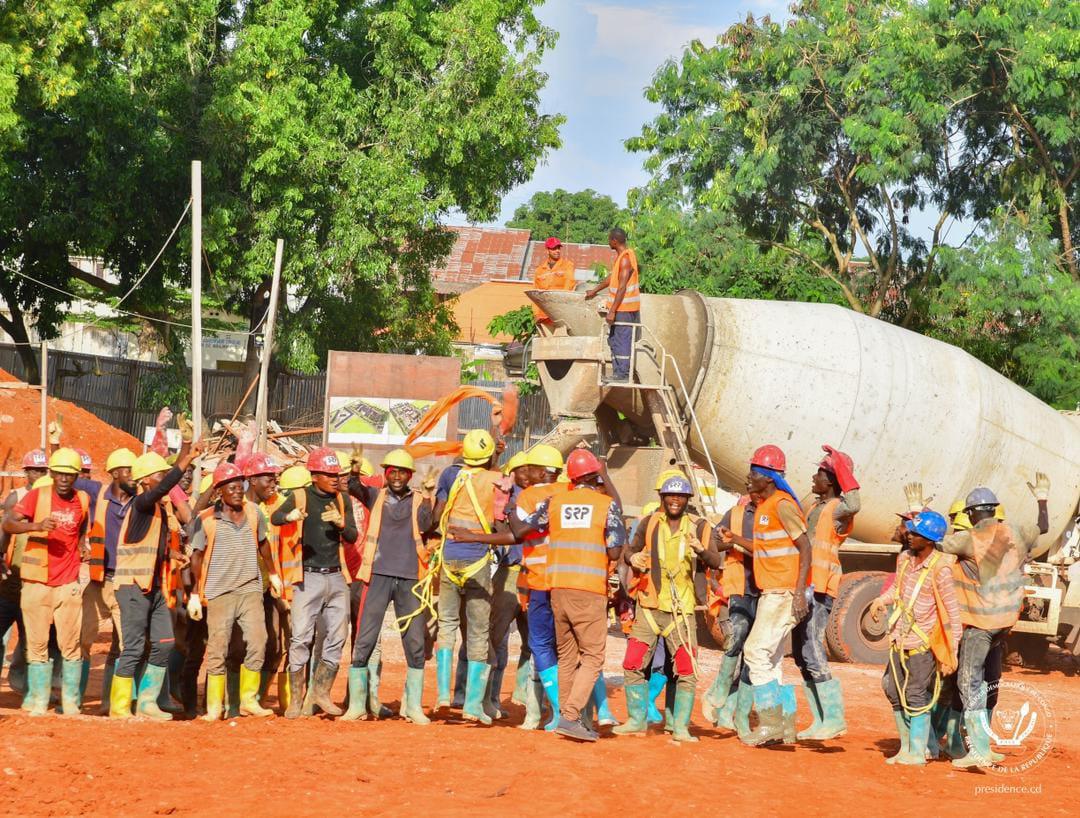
x=584, y=217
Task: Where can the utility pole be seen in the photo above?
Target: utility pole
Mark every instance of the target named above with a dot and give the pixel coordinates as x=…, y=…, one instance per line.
x=44, y=396
x=262, y=405
x=196, y=307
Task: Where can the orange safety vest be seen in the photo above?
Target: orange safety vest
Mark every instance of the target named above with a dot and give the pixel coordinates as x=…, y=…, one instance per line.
x=535, y=546
x=209, y=526
x=776, y=558
x=825, y=568
x=374, y=528
x=577, y=551
x=35, y=559
x=97, y=536
x=462, y=512
x=990, y=586
x=291, y=549
x=644, y=590
x=734, y=582
x=16, y=543
x=559, y=277
x=632, y=297
x=135, y=561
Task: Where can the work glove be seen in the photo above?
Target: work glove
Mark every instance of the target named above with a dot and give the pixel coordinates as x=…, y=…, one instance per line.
x=427, y=481
x=914, y=496
x=194, y=608
x=295, y=515
x=56, y=431
x=163, y=418
x=276, y=587
x=1041, y=489
x=844, y=476
x=640, y=562
x=333, y=516
x=186, y=427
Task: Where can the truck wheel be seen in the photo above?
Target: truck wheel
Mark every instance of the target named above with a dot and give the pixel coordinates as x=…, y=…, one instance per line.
x=852, y=636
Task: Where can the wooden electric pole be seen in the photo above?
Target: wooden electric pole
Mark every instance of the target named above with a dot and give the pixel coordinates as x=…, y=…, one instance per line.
x=262, y=405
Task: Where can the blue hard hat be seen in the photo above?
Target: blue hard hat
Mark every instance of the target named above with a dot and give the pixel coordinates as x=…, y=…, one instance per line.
x=928, y=524
x=980, y=496
x=676, y=485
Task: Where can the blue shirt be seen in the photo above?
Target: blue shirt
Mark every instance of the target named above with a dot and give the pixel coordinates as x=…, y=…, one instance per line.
x=115, y=512
x=453, y=549
x=91, y=487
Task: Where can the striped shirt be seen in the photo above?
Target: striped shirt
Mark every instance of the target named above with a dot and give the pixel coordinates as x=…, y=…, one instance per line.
x=234, y=563
x=925, y=607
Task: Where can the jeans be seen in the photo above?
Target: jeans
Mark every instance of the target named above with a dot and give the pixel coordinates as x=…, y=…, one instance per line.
x=808, y=641
x=225, y=611
x=505, y=607
x=143, y=617
x=322, y=599
x=765, y=645
x=918, y=682
x=542, y=630
x=476, y=593
x=742, y=609
x=621, y=341
x=979, y=670
x=374, y=602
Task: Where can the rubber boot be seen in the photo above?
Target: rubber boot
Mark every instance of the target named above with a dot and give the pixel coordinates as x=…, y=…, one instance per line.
x=70, y=687
x=164, y=700
x=533, y=710
x=215, y=696
x=444, y=660
x=38, y=684
x=358, y=700
x=106, y=686
x=604, y=716
x=232, y=694
x=788, y=705
x=249, y=694
x=492, y=705
x=475, y=690
x=84, y=680
x=933, y=743
x=657, y=685
x=637, y=711
x=461, y=673
x=523, y=683
x=283, y=691
x=902, y=731
x=413, y=699
x=717, y=694
x=684, y=706
x=744, y=703
x=832, y=723
x=725, y=716
x=17, y=670
x=979, y=754
x=770, y=729
x=318, y=695
x=954, y=738
x=172, y=689
x=149, y=688
x=813, y=698
x=549, y=682
x=376, y=707
x=918, y=734
x=297, y=686
x=120, y=697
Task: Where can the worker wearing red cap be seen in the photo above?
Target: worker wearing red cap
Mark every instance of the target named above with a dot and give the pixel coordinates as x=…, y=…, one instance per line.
x=829, y=521
x=228, y=541
x=554, y=273
x=322, y=597
x=585, y=530
x=782, y=556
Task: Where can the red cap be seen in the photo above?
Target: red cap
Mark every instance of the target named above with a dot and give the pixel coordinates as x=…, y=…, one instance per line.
x=581, y=463
x=35, y=460
x=226, y=472
x=259, y=463
x=323, y=461
x=769, y=457
x=552, y=243
x=87, y=462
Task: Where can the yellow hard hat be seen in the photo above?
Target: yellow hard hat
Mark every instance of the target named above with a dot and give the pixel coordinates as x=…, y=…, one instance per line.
x=294, y=477
x=664, y=475
x=649, y=508
x=544, y=455
x=961, y=522
x=120, y=459
x=206, y=483
x=147, y=464
x=956, y=508
x=515, y=462
x=562, y=478
x=65, y=461
x=999, y=512
x=398, y=458
x=477, y=447
x=42, y=482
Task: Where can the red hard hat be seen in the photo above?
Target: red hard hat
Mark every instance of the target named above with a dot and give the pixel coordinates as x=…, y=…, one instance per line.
x=87, y=462
x=581, y=463
x=769, y=457
x=226, y=472
x=35, y=460
x=260, y=463
x=323, y=461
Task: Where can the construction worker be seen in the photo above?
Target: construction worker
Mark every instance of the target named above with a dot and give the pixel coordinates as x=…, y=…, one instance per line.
x=396, y=562
x=465, y=500
x=782, y=555
x=227, y=542
x=554, y=273
x=664, y=556
x=924, y=633
x=585, y=530
x=829, y=521
x=322, y=594
x=958, y=520
x=99, y=595
x=56, y=519
x=623, y=303
x=990, y=589
x=729, y=700
x=146, y=551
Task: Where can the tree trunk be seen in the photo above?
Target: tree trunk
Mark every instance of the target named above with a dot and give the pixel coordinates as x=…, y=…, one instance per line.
x=260, y=299
x=16, y=328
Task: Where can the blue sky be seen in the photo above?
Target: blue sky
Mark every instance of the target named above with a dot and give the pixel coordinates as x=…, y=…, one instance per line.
x=606, y=55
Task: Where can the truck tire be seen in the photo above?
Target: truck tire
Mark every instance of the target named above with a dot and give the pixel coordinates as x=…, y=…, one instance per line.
x=851, y=635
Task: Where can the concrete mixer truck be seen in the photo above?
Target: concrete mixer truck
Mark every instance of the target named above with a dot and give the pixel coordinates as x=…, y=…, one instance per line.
x=713, y=378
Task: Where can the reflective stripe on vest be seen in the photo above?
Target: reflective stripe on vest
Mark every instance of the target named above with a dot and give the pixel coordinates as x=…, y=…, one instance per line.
x=776, y=559
x=632, y=296
x=647, y=594
x=734, y=581
x=209, y=526
x=35, y=558
x=135, y=561
x=990, y=586
x=97, y=536
x=825, y=568
x=374, y=528
x=577, y=554
x=535, y=546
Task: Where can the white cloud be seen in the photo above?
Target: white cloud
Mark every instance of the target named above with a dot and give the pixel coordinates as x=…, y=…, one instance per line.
x=643, y=37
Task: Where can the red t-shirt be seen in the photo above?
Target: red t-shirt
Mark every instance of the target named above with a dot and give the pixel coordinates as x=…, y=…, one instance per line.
x=64, y=557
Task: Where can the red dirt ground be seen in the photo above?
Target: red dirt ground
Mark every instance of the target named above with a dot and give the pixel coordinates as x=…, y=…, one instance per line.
x=88, y=765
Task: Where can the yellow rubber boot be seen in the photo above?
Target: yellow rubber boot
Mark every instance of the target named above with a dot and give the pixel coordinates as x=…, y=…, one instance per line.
x=215, y=696
x=249, y=694
x=284, y=692
x=120, y=697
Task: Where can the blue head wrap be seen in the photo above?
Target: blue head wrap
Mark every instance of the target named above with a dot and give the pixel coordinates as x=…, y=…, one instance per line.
x=778, y=478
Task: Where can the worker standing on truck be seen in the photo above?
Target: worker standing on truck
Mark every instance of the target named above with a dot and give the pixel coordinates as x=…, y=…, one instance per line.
x=664, y=557
x=924, y=633
x=829, y=521
x=990, y=587
x=623, y=303
x=782, y=555
x=585, y=530
x=554, y=273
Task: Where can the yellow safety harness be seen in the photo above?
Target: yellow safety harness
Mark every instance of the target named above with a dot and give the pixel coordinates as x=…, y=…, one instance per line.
x=907, y=610
x=678, y=613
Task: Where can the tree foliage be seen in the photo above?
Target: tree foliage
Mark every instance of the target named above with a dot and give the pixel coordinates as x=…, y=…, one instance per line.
x=583, y=217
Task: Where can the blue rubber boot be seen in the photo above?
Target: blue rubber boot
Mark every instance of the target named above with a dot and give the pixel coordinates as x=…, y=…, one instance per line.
x=475, y=692
x=444, y=661
x=461, y=674
x=358, y=694
x=549, y=681
x=412, y=699
x=902, y=731
x=954, y=738
x=153, y=679
x=830, y=699
x=657, y=683
x=979, y=754
x=744, y=703
x=770, y=729
x=604, y=716
x=918, y=735
x=38, y=686
x=70, y=685
x=725, y=716
x=637, y=708
x=788, y=705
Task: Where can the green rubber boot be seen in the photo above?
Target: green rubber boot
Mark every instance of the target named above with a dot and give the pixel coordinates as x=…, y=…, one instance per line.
x=412, y=700
x=38, y=687
x=149, y=688
x=71, y=686
x=533, y=710
x=980, y=754
x=788, y=706
x=377, y=708
x=84, y=680
x=725, y=716
x=830, y=721
x=444, y=663
x=493, y=694
x=813, y=699
x=954, y=737
x=475, y=690
x=744, y=703
x=770, y=729
x=684, y=706
x=918, y=735
x=523, y=682
x=637, y=709
x=902, y=731
x=717, y=695
x=358, y=694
